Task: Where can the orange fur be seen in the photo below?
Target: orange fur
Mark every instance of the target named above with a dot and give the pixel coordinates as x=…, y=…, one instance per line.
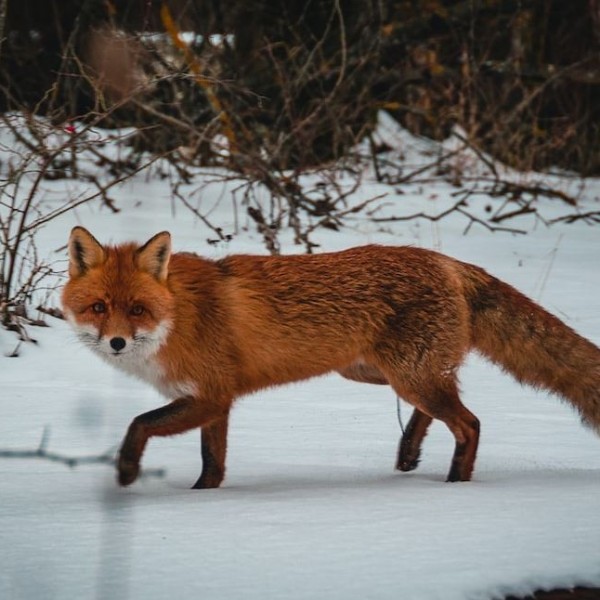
x=206, y=332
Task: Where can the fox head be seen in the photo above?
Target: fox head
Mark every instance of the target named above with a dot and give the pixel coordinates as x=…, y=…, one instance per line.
x=117, y=298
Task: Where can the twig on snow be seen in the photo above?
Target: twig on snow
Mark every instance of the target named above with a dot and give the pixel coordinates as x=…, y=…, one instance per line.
x=107, y=458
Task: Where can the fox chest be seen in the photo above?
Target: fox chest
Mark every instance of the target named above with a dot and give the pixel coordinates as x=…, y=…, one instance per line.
x=151, y=371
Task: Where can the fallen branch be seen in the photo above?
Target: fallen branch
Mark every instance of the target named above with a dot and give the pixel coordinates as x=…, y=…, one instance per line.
x=505, y=188
x=590, y=217
x=524, y=210
x=456, y=207
x=108, y=458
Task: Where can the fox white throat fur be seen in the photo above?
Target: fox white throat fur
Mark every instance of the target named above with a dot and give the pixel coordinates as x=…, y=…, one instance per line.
x=137, y=357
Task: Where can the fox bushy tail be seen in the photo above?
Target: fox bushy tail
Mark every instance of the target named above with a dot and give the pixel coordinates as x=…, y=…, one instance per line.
x=534, y=346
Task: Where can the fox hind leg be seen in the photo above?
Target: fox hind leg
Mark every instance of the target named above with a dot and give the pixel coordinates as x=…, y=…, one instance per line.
x=409, y=448
x=438, y=400
x=465, y=430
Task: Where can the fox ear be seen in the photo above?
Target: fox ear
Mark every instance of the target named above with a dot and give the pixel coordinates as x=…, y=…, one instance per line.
x=153, y=256
x=85, y=252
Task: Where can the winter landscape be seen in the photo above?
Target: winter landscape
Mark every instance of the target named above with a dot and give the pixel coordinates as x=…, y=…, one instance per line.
x=311, y=506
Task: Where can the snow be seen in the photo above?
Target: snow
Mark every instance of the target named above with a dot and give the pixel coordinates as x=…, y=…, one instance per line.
x=311, y=506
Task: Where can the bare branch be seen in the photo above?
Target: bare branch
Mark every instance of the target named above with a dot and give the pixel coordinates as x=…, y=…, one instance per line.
x=457, y=207
x=41, y=452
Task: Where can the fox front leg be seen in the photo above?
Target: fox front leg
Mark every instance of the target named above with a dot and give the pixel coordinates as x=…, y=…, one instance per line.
x=214, y=450
x=179, y=416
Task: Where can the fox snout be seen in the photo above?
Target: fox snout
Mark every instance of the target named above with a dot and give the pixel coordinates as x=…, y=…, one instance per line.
x=106, y=344
x=138, y=346
x=117, y=343
x=114, y=345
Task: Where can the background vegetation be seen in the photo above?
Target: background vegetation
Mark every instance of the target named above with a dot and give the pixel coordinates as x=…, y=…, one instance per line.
x=270, y=90
x=298, y=82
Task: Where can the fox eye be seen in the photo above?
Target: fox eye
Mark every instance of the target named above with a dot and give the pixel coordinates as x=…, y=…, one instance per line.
x=137, y=310
x=99, y=307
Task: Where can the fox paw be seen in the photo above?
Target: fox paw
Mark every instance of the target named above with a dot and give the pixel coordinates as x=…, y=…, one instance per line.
x=127, y=472
x=407, y=465
x=207, y=482
x=407, y=461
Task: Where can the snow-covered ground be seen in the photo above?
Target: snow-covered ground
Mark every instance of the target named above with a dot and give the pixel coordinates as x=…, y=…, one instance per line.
x=311, y=507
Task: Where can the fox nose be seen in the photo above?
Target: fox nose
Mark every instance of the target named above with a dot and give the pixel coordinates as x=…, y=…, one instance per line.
x=117, y=343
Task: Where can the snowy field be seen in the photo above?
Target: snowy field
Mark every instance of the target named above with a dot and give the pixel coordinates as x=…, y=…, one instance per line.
x=311, y=507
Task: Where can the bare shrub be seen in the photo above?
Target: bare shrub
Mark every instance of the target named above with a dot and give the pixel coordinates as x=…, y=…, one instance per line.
x=39, y=154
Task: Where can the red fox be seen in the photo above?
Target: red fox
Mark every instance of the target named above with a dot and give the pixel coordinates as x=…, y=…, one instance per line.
x=205, y=332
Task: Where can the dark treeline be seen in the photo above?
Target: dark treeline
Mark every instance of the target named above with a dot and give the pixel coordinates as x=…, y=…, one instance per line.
x=302, y=81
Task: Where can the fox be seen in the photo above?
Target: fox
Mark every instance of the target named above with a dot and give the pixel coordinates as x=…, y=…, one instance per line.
x=205, y=332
